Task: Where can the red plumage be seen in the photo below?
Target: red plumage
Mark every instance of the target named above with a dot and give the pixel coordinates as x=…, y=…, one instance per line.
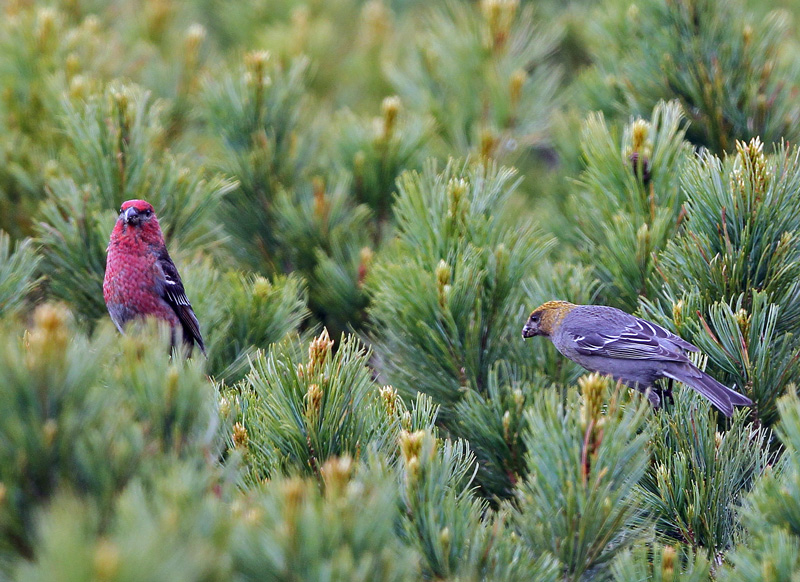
x=141, y=280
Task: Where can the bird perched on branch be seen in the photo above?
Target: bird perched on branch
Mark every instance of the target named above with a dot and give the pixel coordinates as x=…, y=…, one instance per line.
x=632, y=350
x=141, y=280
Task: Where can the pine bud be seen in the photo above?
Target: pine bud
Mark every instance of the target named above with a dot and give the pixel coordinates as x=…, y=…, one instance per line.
x=320, y=199
x=593, y=389
x=336, y=474
x=677, y=314
x=389, y=396
x=743, y=321
x=301, y=17
x=456, y=195
x=318, y=351
x=751, y=173
x=668, y=564
x=91, y=25
x=507, y=426
x=390, y=108
x=313, y=400
x=769, y=571
x=262, y=288
x=640, y=150
x=443, y=274
x=519, y=398
x=240, y=436
x=499, y=17
x=411, y=444
x=375, y=22
x=516, y=84
x=488, y=143
x=444, y=540
x=255, y=63
x=46, y=22
x=47, y=341
x=195, y=36
x=49, y=430
x=158, y=14
x=405, y=420
x=294, y=493
x=747, y=34
x=106, y=560
x=365, y=262
x=224, y=407
x=72, y=64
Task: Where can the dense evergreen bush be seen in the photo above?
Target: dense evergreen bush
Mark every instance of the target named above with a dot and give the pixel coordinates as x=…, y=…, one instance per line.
x=365, y=199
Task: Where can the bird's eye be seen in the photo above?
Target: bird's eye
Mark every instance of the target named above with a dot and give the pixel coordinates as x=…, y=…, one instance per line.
x=120, y=210
x=535, y=318
x=147, y=212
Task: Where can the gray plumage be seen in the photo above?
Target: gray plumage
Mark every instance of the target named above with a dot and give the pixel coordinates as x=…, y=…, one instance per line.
x=635, y=351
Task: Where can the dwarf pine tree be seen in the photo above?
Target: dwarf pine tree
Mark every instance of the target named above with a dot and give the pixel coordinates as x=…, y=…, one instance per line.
x=724, y=64
x=365, y=199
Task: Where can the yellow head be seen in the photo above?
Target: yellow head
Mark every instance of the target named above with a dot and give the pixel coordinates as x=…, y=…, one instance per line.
x=546, y=318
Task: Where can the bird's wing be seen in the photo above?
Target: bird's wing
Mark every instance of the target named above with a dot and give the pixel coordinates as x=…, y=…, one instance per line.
x=637, y=340
x=171, y=290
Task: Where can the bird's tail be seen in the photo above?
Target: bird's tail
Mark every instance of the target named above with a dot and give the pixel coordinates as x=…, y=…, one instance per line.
x=718, y=394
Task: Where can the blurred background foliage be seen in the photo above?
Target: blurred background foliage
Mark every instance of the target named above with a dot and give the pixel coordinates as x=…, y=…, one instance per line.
x=365, y=198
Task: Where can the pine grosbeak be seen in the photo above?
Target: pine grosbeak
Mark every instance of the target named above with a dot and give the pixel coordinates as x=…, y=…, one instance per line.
x=141, y=279
x=632, y=350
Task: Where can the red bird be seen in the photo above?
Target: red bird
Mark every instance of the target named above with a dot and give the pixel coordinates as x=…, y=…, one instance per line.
x=141, y=278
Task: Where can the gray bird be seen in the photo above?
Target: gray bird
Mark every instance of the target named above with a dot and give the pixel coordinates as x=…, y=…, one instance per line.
x=634, y=351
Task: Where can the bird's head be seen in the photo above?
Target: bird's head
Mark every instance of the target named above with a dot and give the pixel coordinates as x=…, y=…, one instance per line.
x=545, y=319
x=136, y=213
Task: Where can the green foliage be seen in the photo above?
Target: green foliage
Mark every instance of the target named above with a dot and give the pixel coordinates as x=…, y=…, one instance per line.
x=742, y=223
x=494, y=424
x=585, y=456
x=324, y=236
x=42, y=54
x=17, y=273
x=293, y=413
x=630, y=204
x=295, y=155
x=290, y=530
x=450, y=526
x=447, y=296
x=67, y=420
x=261, y=119
x=771, y=512
x=754, y=354
x=74, y=235
x=662, y=564
x=376, y=151
x=727, y=68
x=114, y=155
x=116, y=142
x=173, y=528
x=241, y=313
x=730, y=281
x=492, y=50
x=699, y=474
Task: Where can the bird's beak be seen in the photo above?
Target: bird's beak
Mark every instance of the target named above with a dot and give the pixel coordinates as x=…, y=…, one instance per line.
x=129, y=215
x=528, y=331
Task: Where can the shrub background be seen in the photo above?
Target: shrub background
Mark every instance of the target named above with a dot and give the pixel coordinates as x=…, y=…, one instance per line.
x=365, y=200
